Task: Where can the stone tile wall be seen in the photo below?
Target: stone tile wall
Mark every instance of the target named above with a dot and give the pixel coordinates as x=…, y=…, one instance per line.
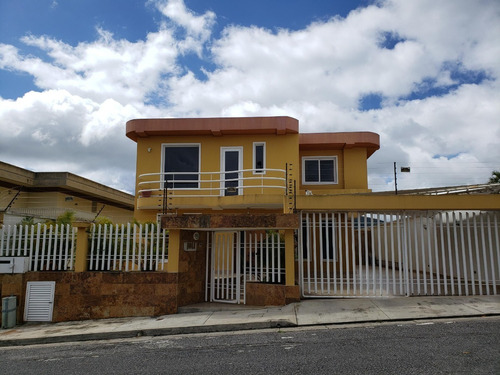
x=262, y=294
x=97, y=295
x=192, y=269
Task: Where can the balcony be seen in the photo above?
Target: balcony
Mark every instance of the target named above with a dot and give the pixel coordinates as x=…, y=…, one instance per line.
x=238, y=189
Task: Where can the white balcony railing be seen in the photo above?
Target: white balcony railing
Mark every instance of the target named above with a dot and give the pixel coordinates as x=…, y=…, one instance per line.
x=211, y=184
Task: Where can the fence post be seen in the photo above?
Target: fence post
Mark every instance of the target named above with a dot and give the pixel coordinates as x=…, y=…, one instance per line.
x=290, y=257
x=82, y=246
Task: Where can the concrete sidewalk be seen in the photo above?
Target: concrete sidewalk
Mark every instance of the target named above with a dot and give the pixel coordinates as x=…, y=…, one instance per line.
x=209, y=317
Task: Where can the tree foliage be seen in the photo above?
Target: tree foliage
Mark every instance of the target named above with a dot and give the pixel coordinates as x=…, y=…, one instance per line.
x=103, y=220
x=495, y=177
x=28, y=220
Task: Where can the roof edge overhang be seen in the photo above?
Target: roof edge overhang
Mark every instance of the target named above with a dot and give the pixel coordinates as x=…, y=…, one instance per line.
x=340, y=140
x=13, y=177
x=216, y=126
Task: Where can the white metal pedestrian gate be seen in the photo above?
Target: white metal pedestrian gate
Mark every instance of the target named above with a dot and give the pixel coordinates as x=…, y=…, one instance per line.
x=225, y=273
x=236, y=258
x=345, y=254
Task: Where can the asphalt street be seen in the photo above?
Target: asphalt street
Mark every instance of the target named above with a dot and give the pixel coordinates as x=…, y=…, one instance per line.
x=447, y=346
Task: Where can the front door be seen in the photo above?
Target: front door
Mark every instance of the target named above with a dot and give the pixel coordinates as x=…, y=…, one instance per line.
x=231, y=166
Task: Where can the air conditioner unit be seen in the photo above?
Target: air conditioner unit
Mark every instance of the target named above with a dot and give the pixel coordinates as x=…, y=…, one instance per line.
x=14, y=264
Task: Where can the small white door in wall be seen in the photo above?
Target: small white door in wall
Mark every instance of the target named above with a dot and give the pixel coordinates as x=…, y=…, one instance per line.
x=39, y=301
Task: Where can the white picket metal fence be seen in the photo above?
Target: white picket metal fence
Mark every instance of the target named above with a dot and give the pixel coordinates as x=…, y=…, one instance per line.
x=131, y=247
x=49, y=247
x=399, y=253
x=235, y=258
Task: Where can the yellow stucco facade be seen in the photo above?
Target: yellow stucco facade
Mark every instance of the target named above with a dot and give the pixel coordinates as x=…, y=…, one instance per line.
x=259, y=194
x=285, y=153
x=267, y=190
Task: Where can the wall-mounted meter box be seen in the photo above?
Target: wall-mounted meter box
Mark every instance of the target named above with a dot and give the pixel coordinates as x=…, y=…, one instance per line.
x=14, y=264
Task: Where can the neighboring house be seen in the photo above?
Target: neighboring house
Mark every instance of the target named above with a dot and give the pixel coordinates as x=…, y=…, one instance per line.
x=46, y=195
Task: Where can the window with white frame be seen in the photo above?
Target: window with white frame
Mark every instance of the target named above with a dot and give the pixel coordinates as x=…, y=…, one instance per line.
x=178, y=161
x=319, y=170
x=259, y=157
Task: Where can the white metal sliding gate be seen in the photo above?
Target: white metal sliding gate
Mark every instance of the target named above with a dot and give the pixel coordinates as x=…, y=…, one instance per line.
x=399, y=253
x=235, y=258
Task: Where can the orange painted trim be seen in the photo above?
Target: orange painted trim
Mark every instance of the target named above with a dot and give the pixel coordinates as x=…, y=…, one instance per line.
x=141, y=128
x=314, y=141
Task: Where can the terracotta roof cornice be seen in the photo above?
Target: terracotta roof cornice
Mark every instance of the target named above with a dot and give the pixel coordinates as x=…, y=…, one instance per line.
x=340, y=140
x=217, y=126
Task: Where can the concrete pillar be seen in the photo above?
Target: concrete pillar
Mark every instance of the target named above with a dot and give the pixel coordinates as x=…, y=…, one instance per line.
x=174, y=246
x=82, y=246
x=289, y=257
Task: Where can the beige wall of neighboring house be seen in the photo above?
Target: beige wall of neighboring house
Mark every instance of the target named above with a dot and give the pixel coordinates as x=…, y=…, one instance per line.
x=46, y=195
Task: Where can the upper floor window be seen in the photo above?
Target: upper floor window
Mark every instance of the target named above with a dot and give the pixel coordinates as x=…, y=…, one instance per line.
x=319, y=170
x=259, y=157
x=181, y=158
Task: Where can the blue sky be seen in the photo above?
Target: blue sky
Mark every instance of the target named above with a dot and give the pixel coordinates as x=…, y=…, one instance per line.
x=75, y=21
x=424, y=75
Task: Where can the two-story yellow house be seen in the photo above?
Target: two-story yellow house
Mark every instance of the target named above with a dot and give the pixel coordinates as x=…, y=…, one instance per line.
x=227, y=191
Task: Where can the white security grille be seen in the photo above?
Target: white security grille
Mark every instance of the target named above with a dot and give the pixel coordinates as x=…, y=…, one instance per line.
x=137, y=247
x=39, y=301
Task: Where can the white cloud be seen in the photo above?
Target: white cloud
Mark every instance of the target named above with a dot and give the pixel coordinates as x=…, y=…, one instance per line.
x=317, y=74
x=57, y=131
x=106, y=68
x=197, y=28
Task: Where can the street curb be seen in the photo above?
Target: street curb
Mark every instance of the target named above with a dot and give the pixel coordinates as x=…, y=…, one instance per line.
x=279, y=323
x=155, y=332
x=396, y=320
